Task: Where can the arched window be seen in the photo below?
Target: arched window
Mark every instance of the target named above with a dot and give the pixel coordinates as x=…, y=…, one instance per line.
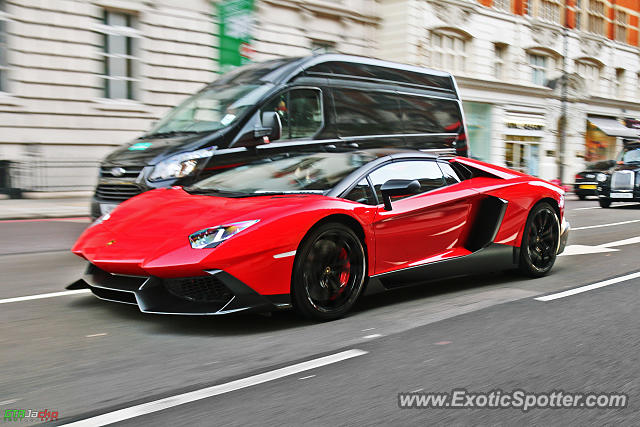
x=449, y=50
x=590, y=70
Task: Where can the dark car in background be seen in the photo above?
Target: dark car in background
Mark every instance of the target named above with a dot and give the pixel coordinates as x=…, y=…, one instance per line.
x=622, y=183
x=586, y=183
x=320, y=103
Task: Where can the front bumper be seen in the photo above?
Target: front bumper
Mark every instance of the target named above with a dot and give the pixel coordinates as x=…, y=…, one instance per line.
x=217, y=293
x=565, y=228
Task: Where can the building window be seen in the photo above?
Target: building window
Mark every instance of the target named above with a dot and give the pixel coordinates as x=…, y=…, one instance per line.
x=596, y=17
x=549, y=10
x=449, y=52
x=590, y=72
x=522, y=153
x=119, y=60
x=578, y=14
x=502, y=5
x=619, y=83
x=621, y=26
x=322, y=46
x=499, y=65
x=3, y=47
x=538, y=64
x=528, y=7
x=637, y=85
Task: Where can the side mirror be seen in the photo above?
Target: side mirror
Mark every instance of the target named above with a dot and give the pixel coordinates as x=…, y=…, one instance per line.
x=271, y=127
x=398, y=187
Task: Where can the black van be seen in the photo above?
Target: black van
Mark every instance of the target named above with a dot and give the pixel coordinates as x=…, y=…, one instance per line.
x=319, y=103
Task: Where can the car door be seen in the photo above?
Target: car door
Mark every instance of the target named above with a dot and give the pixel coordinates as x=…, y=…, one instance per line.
x=421, y=228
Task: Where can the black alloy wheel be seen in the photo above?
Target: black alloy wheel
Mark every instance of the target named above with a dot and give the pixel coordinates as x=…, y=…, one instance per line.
x=329, y=272
x=540, y=241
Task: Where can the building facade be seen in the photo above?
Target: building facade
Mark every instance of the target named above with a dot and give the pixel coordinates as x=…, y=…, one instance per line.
x=78, y=78
x=509, y=57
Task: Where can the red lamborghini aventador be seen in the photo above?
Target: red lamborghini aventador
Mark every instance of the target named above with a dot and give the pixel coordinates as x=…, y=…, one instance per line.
x=315, y=231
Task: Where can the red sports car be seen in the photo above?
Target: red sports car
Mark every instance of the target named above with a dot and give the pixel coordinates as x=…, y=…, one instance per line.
x=314, y=231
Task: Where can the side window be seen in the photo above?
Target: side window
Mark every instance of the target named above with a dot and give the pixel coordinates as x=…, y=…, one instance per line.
x=430, y=115
x=361, y=193
x=300, y=112
x=426, y=172
x=450, y=175
x=367, y=113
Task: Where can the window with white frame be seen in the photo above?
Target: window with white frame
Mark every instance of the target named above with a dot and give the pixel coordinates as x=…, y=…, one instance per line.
x=538, y=64
x=590, y=72
x=621, y=26
x=528, y=7
x=4, y=64
x=549, y=10
x=499, y=66
x=119, y=59
x=504, y=5
x=619, y=83
x=449, y=51
x=596, y=17
x=578, y=14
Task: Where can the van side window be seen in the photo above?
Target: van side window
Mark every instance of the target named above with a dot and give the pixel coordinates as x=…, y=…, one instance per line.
x=426, y=172
x=367, y=113
x=430, y=115
x=300, y=112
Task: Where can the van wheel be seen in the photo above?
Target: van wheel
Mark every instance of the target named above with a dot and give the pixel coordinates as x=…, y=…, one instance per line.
x=329, y=272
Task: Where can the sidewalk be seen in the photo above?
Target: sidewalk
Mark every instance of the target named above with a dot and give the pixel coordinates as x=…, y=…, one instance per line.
x=62, y=207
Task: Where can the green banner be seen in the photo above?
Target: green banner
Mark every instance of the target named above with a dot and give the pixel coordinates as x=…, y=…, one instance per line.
x=236, y=23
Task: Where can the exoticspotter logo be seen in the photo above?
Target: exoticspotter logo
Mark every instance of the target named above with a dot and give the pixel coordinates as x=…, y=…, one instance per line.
x=26, y=415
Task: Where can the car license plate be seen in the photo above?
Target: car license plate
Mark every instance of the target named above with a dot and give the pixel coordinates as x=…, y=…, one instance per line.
x=106, y=208
x=587, y=187
x=621, y=195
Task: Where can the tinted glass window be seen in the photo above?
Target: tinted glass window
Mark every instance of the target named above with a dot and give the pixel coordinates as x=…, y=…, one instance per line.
x=366, y=113
x=361, y=193
x=300, y=111
x=426, y=172
x=377, y=72
x=429, y=115
x=450, y=175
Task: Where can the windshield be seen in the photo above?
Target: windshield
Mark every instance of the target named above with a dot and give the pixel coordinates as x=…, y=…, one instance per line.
x=631, y=156
x=211, y=109
x=292, y=174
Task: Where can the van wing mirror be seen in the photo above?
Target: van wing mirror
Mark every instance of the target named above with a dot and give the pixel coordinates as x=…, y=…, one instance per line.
x=398, y=187
x=271, y=127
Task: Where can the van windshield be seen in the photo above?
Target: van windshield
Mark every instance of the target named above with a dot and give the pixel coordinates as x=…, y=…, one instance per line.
x=211, y=109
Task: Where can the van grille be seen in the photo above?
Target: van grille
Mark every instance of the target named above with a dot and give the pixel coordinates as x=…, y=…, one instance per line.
x=120, y=171
x=199, y=289
x=117, y=192
x=622, y=180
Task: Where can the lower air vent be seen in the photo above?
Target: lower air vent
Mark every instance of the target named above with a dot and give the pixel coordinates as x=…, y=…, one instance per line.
x=199, y=289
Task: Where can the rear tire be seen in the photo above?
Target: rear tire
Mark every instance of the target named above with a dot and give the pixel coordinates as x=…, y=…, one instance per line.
x=540, y=240
x=582, y=197
x=604, y=203
x=329, y=272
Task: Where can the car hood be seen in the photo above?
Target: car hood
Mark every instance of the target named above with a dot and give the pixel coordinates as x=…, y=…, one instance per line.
x=159, y=222
x=149, y=151
x=627, y=167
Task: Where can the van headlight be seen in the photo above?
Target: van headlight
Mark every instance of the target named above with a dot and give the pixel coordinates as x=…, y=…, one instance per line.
x=601, y=177
x=211, y=237
x=180, y=165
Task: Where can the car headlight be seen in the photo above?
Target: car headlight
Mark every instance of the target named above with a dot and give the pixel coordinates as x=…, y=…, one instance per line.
x=213, y=236
x=180, y=165
x=601, y=177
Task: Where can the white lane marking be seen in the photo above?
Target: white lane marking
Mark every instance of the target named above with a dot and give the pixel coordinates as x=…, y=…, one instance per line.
x=181, y=399
x=589, y=287
x=605, y=247
x=584, y=209
x=285, y=254
x=8, y=402
x=307, y=377
x=417, y=391
x=605, y=225
x=372, y=336
x=96, y=335
x=42, y=296
x=368, y=329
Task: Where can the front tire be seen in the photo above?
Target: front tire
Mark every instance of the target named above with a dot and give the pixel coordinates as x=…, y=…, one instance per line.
x=582, y=197
x=329, y=272
x=604, y=202
x=540, y=241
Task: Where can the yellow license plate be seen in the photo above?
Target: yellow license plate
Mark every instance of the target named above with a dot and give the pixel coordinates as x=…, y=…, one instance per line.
x=587, y=187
